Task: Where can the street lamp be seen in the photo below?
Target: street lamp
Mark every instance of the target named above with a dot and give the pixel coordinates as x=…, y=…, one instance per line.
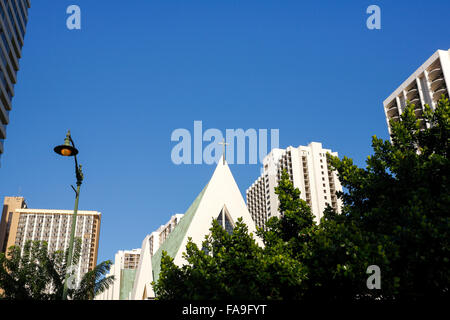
x=68, y=150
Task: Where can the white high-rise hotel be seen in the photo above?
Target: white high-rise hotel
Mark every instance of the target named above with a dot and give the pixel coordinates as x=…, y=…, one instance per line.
x=307, y=168
x=424, y=86
x=124, y=272
x=126, y=266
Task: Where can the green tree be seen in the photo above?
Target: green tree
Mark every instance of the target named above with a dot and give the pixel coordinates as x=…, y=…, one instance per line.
x=22, y=275
x=229, y=266
x=36, y=274
x=395, y=215
x=296, y=225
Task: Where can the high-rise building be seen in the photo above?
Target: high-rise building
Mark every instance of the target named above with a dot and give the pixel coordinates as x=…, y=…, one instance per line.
x=424, y=86
x=124, y=272
x=20, y=224
x=158, y=237
x=13, y=22
x=126, y=262
x=8, y=219
x=308, y=169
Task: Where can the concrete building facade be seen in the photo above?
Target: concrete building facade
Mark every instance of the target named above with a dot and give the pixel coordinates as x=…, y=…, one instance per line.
x=124, y=272
x=424, y=86
x=308, y=169
x=20, y=224
x=9, y=221
x=127, y=263
x=13, y=22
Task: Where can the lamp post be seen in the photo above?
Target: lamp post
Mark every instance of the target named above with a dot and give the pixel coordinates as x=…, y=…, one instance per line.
x=68, y=150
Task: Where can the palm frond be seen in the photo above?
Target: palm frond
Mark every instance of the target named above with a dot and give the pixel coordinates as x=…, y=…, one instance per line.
x=103, y=285
x=94, y=280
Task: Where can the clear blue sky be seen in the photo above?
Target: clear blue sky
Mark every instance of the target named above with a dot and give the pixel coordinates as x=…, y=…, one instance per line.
x=139, y=69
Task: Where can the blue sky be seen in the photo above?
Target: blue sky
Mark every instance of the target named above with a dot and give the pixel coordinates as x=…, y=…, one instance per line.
x=139, y=69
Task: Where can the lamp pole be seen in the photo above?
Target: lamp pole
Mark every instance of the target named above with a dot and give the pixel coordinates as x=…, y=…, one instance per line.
x=68, y=149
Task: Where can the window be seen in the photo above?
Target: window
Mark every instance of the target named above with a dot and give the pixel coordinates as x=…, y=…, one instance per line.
x=225, y=221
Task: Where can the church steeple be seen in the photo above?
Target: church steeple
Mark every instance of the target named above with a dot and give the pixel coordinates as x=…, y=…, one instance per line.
x=224, y=152
x=220, y=199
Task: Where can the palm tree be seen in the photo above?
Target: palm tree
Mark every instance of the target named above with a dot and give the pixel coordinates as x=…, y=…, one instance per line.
x=35, y=274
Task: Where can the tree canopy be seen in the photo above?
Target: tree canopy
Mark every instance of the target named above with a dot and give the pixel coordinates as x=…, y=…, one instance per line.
x=394, y=215
x=33, y=273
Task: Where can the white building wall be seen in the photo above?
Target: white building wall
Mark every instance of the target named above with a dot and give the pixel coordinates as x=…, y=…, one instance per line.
x=424, y=86
x=113, y=292
x=150, y=245
x=308, y=169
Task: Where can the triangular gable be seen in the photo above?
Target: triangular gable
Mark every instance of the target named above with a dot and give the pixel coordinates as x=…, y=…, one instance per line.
x=221, y=194
x=173, y=242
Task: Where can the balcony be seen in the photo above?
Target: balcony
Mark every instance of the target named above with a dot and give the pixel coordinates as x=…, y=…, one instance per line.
x=437, y=94
x=435, y=84
x=412, y=93
x=392, y=113
x=391, y=107
x=435, y=73
x=415, y=101
x=395, y=118
x=4, y=114
x=2, y=131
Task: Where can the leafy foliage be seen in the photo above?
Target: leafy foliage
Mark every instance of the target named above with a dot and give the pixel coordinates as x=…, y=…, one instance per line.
x=36, y=274
x=21, y=276
x=296, y=226
x=395, y=212
x=395, y=215
x=235, y=268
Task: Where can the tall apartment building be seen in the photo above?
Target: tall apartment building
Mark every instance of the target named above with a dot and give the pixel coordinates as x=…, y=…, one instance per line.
x=124, y=272
x=20, y=224
x=13, y=22
x=424, y=86
x=157, y=238
x=308, y=170
x=10, y=205
x=126, y=262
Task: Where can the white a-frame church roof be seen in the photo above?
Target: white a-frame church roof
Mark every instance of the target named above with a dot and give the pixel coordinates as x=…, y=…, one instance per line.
x=220, y=195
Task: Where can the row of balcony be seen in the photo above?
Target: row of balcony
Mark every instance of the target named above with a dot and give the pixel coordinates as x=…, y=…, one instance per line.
x=437, y=81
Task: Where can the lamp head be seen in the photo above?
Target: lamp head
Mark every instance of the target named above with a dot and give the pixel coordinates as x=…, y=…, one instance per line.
x=66, y=149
